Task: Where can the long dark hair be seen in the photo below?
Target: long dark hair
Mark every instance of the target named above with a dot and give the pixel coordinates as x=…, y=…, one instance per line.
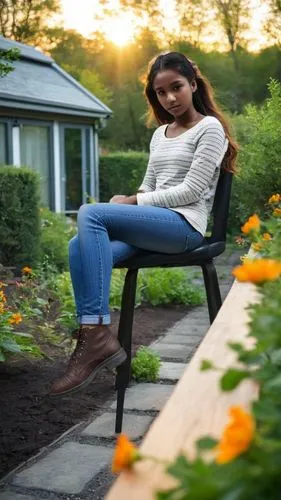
x=203, y=99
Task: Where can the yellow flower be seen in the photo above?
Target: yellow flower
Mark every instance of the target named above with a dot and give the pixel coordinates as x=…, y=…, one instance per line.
x=2, y=284
x=27, y=270
x=2, y=307
x=277, y=212
x=252, y=224
x=237, y=436
x=275, y=198
x=125, y=454
x=2, y=296
x=257, y=247
x=258, y=271
x=16, y=318
x=266, y=236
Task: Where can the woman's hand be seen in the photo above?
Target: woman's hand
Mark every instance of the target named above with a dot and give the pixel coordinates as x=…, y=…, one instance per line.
x=117, y=198
x=124, y=200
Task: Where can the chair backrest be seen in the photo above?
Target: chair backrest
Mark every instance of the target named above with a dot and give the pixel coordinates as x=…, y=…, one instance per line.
x=221, y=206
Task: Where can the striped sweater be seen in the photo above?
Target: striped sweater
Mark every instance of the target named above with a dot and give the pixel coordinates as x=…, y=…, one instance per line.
x=183, y=171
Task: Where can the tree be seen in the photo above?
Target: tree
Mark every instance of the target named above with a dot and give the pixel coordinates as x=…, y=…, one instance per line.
x=233, y=16
x=92, y=81
x=272, y=25
x=26, y=20
x=195, y=18
x=7, y=57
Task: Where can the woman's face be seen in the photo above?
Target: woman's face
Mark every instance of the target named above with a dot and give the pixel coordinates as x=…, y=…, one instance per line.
x=174, y=92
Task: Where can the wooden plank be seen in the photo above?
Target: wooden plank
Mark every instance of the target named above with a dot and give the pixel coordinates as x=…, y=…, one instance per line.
x=197, y=406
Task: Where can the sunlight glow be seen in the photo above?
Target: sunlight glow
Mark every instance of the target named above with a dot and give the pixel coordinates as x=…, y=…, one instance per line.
x=121, y=27
x=120, y=30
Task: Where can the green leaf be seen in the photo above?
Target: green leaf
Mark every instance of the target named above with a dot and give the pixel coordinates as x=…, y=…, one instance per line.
x=206, y=365
x=275, y=383
x=232, y=378
x=206, y=443
x=10, y=345
x=2, y=356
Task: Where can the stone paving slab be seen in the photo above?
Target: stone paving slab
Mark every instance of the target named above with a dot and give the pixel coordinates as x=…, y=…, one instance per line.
x=192, y=340
x=146, y=397
x=66, y=469
x=193, y=327
x=173, y=351
x=10, y=495
x=135, y=426
x=171, y=371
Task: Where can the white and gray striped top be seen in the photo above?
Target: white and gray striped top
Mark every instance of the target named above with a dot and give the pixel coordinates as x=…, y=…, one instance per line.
x=183, y=171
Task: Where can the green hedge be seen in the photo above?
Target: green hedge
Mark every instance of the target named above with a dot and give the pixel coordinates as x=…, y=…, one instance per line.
x=19, y=216
x=121, y=173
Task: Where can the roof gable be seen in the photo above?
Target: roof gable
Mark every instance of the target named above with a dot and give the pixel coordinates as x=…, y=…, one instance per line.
x=37, y=79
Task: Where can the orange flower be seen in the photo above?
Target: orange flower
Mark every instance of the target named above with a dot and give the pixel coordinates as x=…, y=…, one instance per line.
x=2, y=296
x=277, y=212
x=27, y=270
x=16, y=318
x=258, y=271
x=275, y=198
x=237, y=436
x=125, y=454
x=266, y=236
x=252, y=224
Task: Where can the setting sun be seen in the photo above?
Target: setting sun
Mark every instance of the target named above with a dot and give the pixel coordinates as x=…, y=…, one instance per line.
x=120, y=30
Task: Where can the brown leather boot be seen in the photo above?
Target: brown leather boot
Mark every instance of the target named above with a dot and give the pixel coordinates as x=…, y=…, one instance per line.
x=96, y=348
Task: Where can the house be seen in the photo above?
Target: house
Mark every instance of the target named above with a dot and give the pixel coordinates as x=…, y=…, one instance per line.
x=50, y=123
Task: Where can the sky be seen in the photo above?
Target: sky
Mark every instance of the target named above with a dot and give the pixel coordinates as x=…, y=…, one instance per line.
x=121, y=29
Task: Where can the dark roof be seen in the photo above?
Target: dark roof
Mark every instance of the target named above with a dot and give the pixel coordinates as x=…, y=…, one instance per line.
x=38, y=83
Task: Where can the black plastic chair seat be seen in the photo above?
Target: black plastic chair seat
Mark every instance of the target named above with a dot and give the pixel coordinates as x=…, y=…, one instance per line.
x=208, y=250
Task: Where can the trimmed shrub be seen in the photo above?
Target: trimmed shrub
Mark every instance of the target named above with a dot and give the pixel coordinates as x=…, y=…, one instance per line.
x=19, y=216
x=121, y=173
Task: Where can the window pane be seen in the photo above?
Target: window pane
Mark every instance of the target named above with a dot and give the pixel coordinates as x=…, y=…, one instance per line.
x=34, y=153
x=73, y=168
x=3, y=152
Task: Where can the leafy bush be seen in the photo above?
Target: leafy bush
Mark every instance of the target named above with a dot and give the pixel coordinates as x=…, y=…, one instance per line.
x=158, y=287
x=169, y=286
x=259, y=132
x=56, y=231
x=146, y=365
x=121, y=173
x=19, y=216
x=13, y=341
x=64, y=291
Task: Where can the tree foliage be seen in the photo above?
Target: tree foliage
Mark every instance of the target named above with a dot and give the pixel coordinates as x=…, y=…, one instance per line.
x=7, y=57
x=26, y=20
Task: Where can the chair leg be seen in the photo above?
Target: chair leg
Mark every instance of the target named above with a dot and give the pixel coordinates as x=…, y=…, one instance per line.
x=212, y=289
x=125, y=339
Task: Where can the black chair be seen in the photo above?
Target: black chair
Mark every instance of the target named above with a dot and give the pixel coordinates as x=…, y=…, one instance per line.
x=202, y=256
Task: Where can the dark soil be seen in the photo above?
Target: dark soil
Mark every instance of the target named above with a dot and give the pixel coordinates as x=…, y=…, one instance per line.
x=30, y=420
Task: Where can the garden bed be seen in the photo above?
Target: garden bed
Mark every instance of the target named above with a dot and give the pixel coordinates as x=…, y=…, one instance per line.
x=31, y=420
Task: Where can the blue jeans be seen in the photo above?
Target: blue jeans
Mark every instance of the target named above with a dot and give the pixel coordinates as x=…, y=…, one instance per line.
x=110, y=233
